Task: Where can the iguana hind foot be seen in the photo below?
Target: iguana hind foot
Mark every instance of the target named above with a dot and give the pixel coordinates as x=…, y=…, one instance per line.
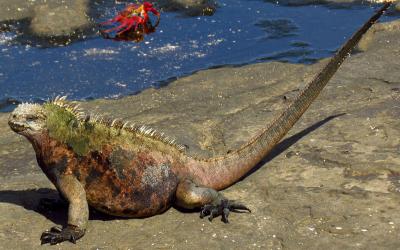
x=57, y=235
x=212, y=203
x=222, y=207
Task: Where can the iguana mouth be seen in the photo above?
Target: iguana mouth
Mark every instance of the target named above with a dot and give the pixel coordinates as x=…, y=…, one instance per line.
x=17, y=126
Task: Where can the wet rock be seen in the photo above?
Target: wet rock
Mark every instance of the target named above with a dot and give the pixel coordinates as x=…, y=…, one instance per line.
x=278, y=28
x=333, y=182
x=47, y=19
x=190, y=7
x=186, y=7
x=15, y=10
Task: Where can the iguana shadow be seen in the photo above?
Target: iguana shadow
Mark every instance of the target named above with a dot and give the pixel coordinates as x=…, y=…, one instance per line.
x=30, y=198
x=288, y=142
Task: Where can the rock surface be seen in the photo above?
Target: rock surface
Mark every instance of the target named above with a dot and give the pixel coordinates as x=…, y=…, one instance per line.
x=332, y=183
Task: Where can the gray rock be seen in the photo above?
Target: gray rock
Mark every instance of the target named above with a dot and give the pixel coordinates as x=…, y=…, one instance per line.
x=15, y=10
x=332, y=183
x=190, y=7
x=384, y=29
x=186, y=7
x=59, y=21
x=47, y=19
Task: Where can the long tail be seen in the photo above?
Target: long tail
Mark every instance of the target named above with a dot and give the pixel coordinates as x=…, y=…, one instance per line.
x=221, y=172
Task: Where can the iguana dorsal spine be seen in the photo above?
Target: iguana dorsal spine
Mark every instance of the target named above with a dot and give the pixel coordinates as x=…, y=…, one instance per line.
x=115, y=123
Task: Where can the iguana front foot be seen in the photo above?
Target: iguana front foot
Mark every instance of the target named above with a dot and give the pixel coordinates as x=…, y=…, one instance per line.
x=78, y=212
x=223, y=208
x=57, y=235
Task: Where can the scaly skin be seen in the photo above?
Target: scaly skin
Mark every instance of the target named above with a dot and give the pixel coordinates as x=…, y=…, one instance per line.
x=133, y=171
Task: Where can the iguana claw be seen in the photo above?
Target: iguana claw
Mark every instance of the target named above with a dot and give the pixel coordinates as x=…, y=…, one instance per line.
x=223, y=208
x=57, y=235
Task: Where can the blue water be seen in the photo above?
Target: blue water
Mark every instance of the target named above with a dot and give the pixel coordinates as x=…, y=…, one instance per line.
x=240, y=32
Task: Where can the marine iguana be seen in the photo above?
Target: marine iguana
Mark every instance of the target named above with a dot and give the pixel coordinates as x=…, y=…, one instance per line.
x=133, y=171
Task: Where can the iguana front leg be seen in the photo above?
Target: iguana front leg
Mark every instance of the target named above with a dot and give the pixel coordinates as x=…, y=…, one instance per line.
x=212, y=203
x=78, y=212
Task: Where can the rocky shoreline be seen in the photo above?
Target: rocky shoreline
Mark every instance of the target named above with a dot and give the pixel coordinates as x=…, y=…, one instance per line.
x=333, y=182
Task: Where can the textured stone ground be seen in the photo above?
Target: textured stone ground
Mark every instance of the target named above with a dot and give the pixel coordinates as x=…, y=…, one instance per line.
x=332, y=183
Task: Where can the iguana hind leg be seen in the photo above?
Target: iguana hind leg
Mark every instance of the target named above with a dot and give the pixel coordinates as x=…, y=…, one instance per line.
x=78, y=212
x=212, y=203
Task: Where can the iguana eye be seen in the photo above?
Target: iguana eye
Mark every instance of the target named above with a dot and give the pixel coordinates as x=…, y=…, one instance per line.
x=30, y=118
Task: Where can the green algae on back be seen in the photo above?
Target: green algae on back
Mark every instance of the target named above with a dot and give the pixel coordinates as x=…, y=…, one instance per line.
x=81, y=136
x=90, y=134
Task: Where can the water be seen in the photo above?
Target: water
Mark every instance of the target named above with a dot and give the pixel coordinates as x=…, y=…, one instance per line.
x=240, y=32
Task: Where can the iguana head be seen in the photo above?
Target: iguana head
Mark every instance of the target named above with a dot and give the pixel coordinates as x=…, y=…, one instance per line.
x=61, y=121
x=28, y=119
